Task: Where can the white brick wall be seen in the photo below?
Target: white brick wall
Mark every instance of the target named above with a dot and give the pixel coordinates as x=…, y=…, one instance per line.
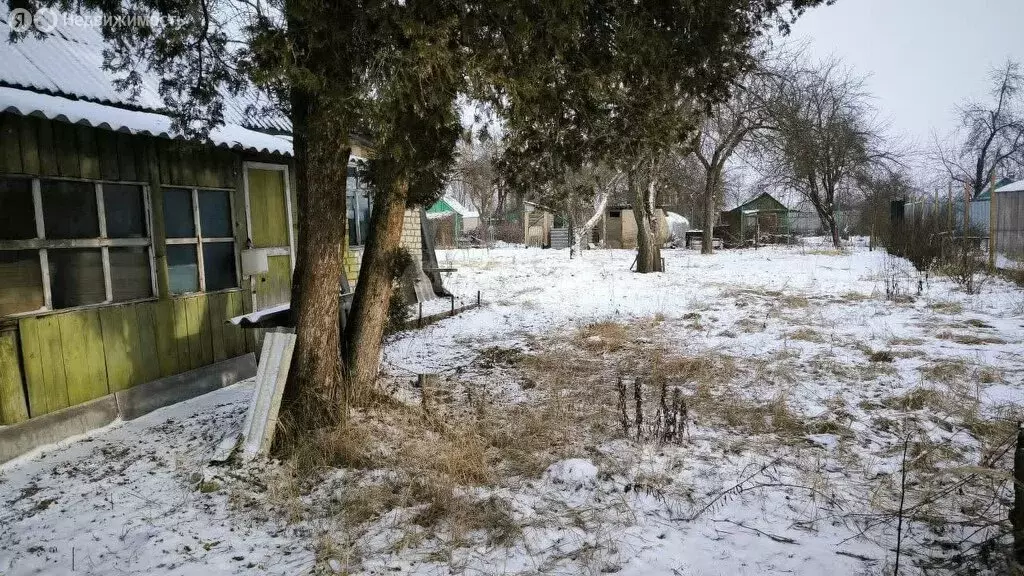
x=411, y=240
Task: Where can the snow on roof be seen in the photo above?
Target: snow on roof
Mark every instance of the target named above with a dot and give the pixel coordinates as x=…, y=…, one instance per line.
x=232, y=136
x=68, y=62
x=460, y=208
x=1017, y=186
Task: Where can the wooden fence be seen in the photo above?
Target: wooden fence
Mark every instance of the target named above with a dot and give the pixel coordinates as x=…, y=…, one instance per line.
x=1010, y=224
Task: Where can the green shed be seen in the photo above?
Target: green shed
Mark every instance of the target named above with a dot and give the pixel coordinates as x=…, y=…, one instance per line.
x=761, y=219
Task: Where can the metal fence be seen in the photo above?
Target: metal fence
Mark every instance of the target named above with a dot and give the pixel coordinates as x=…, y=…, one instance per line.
x=1009, y=208
x=1010, y=224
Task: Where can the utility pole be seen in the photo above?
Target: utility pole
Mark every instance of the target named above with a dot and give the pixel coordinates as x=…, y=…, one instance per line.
x=992, y=224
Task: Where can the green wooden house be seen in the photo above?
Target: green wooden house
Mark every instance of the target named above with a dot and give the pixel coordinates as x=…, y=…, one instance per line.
x=759, y=219
x=464, y=219
x=120, y=244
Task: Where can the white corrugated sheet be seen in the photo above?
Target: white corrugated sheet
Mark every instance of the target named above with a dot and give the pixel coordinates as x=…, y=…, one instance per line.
x=68, y=63
x=460, y=208
x=1017, y=186
x=107, y=117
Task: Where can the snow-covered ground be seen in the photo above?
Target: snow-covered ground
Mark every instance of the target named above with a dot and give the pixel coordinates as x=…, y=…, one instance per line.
x=803, y=384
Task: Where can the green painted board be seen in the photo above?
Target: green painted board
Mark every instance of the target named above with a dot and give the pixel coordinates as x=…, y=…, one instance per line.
x=267, y=208
x=217, y=310
x=166, y=346
x=234, y=335
x=181, y=335
x=84, y=364
x=88, y=151
x=117, y=343
x=29, y=145
x=200, y=343
x=65, y=140
x=13, y=404
x=149, y=368
x=52, y=358
x=275, y=287
x=33, y=363
x=106, y=143
x=10, y=150
x=47, y=148
x=126, y=156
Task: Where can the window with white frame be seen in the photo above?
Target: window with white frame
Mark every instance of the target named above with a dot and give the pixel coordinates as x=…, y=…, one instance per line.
x=63, y=241
x=200, y=240
x=359, y=203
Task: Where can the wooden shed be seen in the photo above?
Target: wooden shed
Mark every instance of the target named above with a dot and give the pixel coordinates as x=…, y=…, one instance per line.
x=121, y=245
x=761, y=219
x=618, y=227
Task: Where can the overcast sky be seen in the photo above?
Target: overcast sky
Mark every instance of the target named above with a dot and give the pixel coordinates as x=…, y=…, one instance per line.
x=922, y=57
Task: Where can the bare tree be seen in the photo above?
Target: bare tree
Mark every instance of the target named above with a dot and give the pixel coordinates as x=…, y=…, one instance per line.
x=730, y=124
x=823, y=135
x=585, y=200
x=990, y=137
x=474, y=179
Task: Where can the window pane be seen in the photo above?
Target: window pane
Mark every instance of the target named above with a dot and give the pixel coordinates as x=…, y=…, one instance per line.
x=124, y=210
x=219, y=265
x=22, y=286
x=129, y=273
x=352, y=239
x=182, y=269
x=364, y=222
x=215, y=213
x=17, y=216
x=69, y=209
x=76, y=277
x=178, y=217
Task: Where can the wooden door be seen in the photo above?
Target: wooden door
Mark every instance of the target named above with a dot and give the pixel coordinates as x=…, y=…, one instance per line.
x=269, y=225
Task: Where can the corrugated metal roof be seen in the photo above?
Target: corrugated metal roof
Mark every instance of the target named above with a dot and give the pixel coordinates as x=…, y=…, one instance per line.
x=28, y=103
x=1017, y=186
x=69, y=62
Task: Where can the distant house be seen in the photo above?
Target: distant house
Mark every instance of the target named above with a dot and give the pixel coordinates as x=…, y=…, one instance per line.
x=761, y=218
x=537, y=224
x=986, y=192
x=617, y=228
x=464, y=219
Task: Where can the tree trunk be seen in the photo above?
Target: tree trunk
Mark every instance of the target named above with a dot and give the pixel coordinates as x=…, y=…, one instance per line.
x=313, y=395
x=710, y=205
x=830, y=224
x=648, y=253
x=365, y=332
x=584, y=231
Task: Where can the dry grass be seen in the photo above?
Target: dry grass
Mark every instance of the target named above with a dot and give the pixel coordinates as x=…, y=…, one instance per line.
x=969, y=339
x=606, y=336
x=910, y=341
x=945, y=371
x=916, y=399
x=807, y=335
x=881, y=356
x=826, y=252
x=946, y=307
x=854, y=297
x=794, y=301
x=826, y=365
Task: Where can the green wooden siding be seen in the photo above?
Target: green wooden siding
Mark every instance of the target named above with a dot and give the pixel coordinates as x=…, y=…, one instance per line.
x=73, y=357
x=60, y=359
x=13, y=405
